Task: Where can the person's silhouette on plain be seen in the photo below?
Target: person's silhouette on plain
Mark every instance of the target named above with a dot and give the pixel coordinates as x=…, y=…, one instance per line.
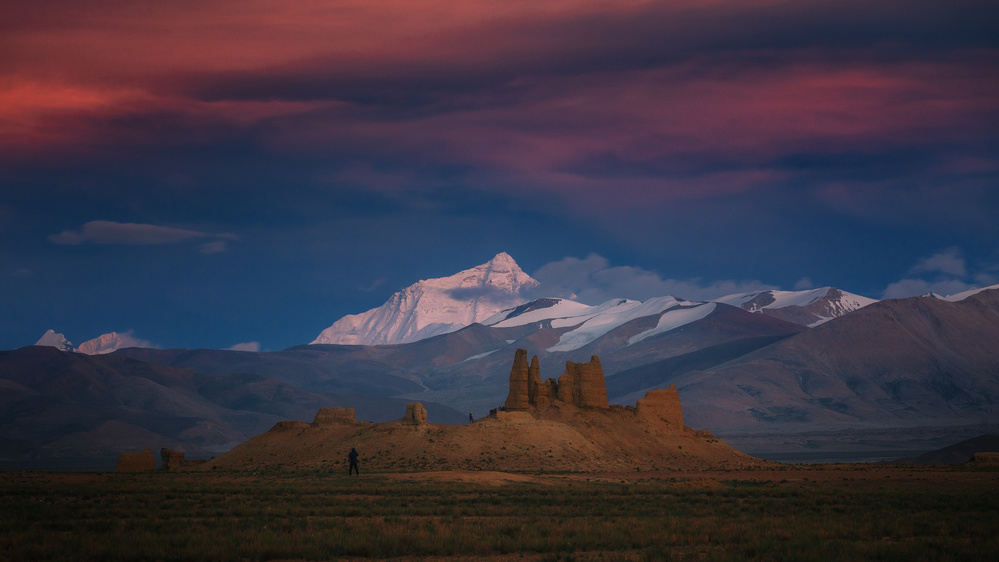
x=352, y=457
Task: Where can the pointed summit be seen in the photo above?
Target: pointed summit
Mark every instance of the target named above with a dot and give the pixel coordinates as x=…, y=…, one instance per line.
x=53, y=339
x=435, y=306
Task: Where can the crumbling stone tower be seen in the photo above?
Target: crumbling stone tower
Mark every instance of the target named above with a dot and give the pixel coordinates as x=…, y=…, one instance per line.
x=582, y=384
x=519, y=397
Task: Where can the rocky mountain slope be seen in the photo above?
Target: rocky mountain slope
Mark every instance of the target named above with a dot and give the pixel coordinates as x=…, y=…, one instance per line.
x=895, y=368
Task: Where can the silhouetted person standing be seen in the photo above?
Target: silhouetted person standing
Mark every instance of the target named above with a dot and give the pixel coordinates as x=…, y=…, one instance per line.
x=470, y=418
x=352, y=457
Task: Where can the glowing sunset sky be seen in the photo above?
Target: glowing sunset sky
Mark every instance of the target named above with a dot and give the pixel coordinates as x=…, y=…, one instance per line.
x=210, y=174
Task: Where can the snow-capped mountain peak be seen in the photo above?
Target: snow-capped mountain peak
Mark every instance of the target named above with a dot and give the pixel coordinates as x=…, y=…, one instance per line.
x=436, y=306
x=810, y=308
x=53, y=339
x=105, y=343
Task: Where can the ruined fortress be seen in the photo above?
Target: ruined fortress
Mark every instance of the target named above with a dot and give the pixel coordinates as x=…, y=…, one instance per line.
x=552, y=424
x=583, y=386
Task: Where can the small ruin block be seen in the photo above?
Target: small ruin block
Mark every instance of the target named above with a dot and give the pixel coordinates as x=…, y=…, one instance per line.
x=141, y=461
x=416, y=414
x=327, y=416
x=662, y=406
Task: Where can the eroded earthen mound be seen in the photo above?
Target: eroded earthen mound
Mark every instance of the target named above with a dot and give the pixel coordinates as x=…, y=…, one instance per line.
x=563, y=425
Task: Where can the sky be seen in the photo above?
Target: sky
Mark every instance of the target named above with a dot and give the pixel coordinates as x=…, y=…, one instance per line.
x=218, y=174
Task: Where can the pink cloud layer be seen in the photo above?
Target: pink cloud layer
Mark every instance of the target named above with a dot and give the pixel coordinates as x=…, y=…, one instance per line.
x=683, y=126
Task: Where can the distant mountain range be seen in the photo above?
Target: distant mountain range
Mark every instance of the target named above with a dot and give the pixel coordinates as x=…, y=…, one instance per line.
x=106, y=343
x=497, y=292
x=773, y=370
x=810, y=308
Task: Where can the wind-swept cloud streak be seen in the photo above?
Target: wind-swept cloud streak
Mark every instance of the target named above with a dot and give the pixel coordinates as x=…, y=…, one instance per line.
x=109, y=232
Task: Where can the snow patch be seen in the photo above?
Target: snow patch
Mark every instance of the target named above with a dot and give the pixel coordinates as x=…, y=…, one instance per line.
x=963, y=295
x=673, y=319
x=599, y=320
x=824, y=304
x=479, y=356
x=564, y=309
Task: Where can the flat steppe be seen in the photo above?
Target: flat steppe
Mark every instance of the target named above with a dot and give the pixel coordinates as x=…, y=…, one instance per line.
x=769, y=511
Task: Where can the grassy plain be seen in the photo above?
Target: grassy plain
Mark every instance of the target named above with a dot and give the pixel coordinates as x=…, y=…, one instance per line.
x=837, y=512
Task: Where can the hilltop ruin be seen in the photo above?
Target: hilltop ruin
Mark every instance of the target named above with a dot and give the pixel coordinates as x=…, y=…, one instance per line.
x=563, y=424
x=583, y=385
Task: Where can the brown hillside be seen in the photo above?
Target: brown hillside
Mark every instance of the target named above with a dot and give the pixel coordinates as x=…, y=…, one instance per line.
x=558, y=435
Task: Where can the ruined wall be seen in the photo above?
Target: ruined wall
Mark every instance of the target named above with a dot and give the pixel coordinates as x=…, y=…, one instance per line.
x=174, y=460
x=142, y=461
x=334, y=416
x=662, y=407
x=582, y=384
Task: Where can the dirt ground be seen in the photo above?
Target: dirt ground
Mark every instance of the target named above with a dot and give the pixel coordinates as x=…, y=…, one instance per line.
x=895, y=475
x=886, y=474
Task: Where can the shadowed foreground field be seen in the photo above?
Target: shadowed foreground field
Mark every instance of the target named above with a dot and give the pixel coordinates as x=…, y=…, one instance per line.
x=839, y=512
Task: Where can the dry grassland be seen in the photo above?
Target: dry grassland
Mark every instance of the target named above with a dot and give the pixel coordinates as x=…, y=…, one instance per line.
x=836, y=512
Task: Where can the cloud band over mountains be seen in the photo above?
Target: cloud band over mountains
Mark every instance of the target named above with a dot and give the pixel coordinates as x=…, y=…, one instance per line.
x=109, y=232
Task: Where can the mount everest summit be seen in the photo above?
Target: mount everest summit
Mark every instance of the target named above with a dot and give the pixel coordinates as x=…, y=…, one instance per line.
x=436, y=306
